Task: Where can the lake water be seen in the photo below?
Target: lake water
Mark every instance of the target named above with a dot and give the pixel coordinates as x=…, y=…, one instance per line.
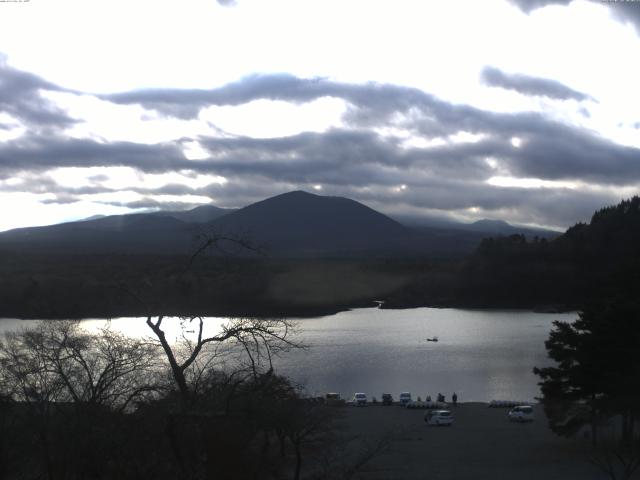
x=481, y=354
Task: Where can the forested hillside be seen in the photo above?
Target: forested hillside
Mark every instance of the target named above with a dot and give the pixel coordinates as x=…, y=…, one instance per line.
x=601, y=258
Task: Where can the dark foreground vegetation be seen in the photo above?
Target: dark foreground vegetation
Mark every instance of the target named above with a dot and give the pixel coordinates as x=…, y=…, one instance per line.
x=593, y=389
x=80, y=405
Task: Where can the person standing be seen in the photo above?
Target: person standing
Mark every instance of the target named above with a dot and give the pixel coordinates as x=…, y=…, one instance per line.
x=454, y=398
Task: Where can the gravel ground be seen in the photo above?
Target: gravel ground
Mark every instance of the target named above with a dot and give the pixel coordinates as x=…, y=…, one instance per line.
x=480, y=444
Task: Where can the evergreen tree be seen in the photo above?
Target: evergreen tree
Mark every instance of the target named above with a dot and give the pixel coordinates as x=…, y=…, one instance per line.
x=597, y=375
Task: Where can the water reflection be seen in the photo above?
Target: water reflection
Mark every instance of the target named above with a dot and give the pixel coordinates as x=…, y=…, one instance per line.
x=481, y=355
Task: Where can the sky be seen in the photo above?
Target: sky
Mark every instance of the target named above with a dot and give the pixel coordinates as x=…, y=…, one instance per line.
x=521, y=110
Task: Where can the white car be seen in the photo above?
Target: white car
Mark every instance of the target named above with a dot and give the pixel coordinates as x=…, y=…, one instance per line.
x=521, y=413
x=360, y=399
x=439, y=417
x=405, y=398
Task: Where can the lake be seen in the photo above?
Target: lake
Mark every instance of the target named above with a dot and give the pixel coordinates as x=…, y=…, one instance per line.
x=481, y=354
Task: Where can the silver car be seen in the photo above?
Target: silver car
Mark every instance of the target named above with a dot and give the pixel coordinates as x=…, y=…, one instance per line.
x=439, y=417
x=521, y=413
x=360, y=399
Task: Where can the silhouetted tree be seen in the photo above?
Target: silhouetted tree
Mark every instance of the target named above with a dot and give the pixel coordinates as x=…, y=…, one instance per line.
x=260, y=339
x=59, y=361
x=597, y=371
x=68, y=389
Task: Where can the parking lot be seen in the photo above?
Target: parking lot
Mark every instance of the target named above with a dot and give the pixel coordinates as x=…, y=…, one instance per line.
x=481, y=443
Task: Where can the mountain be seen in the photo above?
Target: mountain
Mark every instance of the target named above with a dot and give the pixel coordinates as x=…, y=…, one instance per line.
x=163, y=232
x=130, y=234
x=302, y=224
x=500, y=227
x=484, y=227
x=294, y=224
x=201, y=214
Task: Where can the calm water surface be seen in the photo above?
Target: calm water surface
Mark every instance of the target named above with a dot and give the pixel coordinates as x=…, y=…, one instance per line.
x=481, y=354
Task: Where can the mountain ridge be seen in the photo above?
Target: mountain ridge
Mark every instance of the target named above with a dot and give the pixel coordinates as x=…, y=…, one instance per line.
x=296, y=224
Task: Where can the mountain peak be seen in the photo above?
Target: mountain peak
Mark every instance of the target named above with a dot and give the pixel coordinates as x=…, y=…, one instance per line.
x=300, y=222
x=487, y=222
x=296, y=193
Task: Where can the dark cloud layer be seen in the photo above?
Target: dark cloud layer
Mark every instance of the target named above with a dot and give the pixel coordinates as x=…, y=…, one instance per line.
x=528, y=6
x=20, y=97
x=550, y=150
x=354, y=160
x=626, y=12
x=622, y=11
x=39, y=152
x=528, y=85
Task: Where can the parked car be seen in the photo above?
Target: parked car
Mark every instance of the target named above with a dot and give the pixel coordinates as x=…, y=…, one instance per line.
x=333, y=399
x=438, y=417
x=521, y=413
x=360, y=399
x=387, y=399
x=405, y=398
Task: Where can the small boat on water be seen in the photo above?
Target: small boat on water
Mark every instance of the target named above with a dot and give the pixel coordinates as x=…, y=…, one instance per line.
x=432, y=339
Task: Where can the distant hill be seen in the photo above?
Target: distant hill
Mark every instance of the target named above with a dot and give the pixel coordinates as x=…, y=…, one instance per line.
x=163, y=232
x=292, y=224
x=484, y=227
x=295, y=224
x=201, y=214
x=303, y=224
x=127, y=234
x=500, y=227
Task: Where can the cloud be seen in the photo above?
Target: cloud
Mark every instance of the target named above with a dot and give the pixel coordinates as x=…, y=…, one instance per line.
x=41, y=152
x=362, y=165
x=20, y=97
x=571, y=154
x=360, y=159
x=370, y=104
x=186, y=103
x=528, y=6
x=622, y=11
x=527, y=85
x=626, y=12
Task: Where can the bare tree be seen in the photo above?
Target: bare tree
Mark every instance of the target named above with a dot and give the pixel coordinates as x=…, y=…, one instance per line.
x=260, y=339
x=59, y=361
x=69, y=388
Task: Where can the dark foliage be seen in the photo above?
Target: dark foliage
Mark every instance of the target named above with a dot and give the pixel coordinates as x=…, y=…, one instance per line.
x=597, y=368
x=588, y=261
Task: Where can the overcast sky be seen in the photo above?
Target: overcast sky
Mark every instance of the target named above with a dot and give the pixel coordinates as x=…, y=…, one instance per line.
x=521, y=110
